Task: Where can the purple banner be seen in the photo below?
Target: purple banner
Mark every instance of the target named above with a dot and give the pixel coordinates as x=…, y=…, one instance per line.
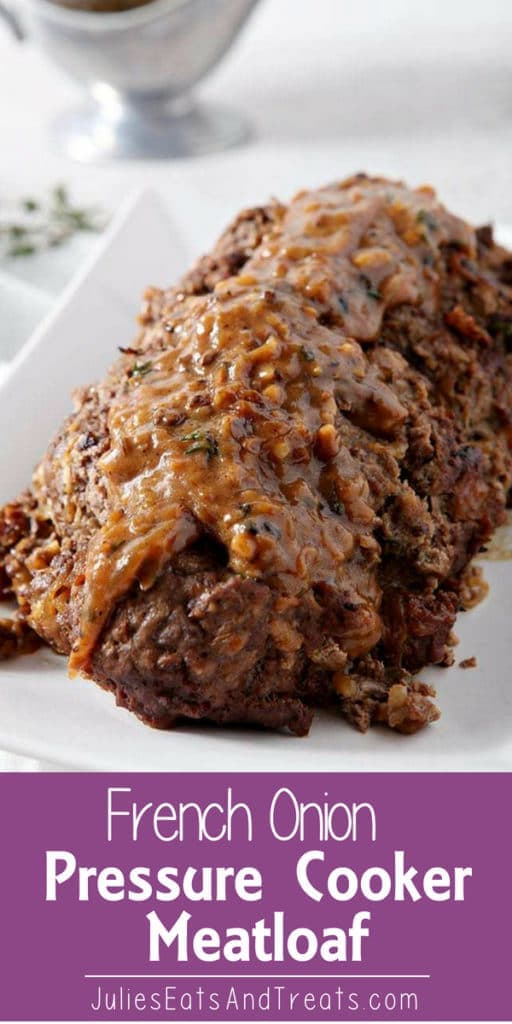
x=255, y=897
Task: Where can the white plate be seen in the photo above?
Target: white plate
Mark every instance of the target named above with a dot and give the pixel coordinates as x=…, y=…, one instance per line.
x=75, y=724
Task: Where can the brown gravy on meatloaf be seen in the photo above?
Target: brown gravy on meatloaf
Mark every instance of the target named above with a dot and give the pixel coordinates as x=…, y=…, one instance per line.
x=231, y=426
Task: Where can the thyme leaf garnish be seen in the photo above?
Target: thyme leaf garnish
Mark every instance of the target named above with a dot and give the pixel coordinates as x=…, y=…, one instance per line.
x=141, y=369
x=202, y=443
x=428, y=219
x=31, y=225
x=196, y=435
x=371, y=290
x=337, y=506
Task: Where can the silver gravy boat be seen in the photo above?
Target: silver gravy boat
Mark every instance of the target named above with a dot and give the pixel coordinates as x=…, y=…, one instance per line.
x=138, y=68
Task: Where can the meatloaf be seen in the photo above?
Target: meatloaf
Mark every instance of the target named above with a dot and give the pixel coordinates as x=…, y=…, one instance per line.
x=272, y=500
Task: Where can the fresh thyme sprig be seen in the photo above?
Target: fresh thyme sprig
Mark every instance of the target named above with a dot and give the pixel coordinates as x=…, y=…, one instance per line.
x=32, y=225
x=141, y=369
x=202, y=443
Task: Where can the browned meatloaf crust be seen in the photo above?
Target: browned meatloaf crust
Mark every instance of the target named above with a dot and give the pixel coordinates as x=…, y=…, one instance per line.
x=272, y=500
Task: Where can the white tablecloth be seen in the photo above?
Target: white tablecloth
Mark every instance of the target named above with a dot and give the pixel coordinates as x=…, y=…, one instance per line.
x=417, y=91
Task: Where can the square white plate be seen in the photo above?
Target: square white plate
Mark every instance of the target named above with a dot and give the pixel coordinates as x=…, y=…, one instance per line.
x=75, y=724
